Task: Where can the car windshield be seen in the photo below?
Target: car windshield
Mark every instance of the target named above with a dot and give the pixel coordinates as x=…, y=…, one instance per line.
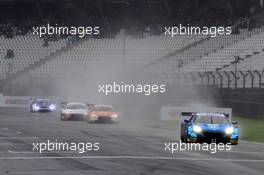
x=103, y=108
x=77, y=106
x=211, y=119
x=43, y=102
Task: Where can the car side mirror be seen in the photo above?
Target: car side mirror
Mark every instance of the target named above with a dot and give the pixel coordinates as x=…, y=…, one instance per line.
x=234, y=122
x=186, y=121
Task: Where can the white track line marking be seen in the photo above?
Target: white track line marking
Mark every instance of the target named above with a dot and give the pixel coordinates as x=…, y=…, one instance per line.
x=136, y=157
x=33, y=152
x=2, y=144
x=243, y=152
x=20, y=152
x=44, y=152
x=19, y=138
x=248, y=142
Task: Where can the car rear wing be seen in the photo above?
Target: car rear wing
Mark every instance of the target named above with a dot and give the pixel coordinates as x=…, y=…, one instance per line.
x=185, y=116
x=64, y=103
x=92, y=105
x=191, y=113
x=186, y=113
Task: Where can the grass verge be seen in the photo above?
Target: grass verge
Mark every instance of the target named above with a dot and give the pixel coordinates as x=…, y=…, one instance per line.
x=251, y=129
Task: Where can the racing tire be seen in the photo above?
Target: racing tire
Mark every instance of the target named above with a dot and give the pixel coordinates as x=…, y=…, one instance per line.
x=89, y=121
x=30, y=109
x=183, y=138
x=234, y=143
x=116, y=123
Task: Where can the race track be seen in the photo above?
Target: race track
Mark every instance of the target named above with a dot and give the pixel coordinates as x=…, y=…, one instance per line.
x=124, y=149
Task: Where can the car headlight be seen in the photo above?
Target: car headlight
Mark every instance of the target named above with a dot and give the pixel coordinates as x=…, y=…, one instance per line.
x=93, y=115
x=52, y=106
x=197, y=129
x=114, y=115
x=229, y=130
x=35, y=107
x=66, y=113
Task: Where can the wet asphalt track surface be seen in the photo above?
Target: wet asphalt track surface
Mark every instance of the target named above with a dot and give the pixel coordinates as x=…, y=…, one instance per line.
x=124, y=149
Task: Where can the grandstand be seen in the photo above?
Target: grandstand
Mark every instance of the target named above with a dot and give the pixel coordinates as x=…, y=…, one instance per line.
x=86, y=52
x=27, y=50
x=139, y=50
x=190, y=57
x=214, y=61
x=224, y=56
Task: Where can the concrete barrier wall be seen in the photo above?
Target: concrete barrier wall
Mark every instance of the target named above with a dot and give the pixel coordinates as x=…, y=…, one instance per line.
x=244, y=102
x=14, y=101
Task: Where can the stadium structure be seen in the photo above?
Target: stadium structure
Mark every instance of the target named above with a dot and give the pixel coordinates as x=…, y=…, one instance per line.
x=225, y=71
x=231, y=63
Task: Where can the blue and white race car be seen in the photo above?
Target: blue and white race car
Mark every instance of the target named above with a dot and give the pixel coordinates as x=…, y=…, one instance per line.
x=209, y=128
x=42, y=105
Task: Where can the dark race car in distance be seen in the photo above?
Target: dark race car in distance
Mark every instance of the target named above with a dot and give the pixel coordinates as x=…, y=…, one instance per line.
x=209, y=128
x=42, y=105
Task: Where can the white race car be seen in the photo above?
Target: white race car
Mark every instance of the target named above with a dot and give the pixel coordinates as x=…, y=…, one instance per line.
x=74, y=111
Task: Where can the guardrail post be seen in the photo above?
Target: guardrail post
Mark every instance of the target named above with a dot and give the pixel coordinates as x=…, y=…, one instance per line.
x=221, y=78
x=228, y=79
x=208, y=77
x=235, y=78
x=259, y=75
x=201, y=77
x=244, y=75
x=213, y=76
x=252, y=78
